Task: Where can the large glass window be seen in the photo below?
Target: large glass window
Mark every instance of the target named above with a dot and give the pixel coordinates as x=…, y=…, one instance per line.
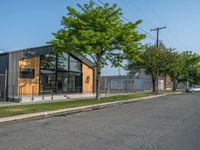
x=63, y=76
x=75, y=82
x=62, y=82
x=48, y=61
x=75, y=65
x=63, y=62
x=47, y=81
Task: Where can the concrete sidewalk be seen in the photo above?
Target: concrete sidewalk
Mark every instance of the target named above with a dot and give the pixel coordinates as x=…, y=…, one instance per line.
x=75, y=109
x=47, y=98
x=60, y=98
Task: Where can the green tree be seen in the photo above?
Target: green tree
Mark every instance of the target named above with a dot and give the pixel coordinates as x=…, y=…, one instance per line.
x=183, y=67
x=174, y=68
x=191, y=67
x=99, y=33
x=196, y=79
x=153, y=60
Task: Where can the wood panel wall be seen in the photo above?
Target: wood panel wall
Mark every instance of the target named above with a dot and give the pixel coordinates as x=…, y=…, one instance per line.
x=13, y=69
x=28, y=86
x=87, y=79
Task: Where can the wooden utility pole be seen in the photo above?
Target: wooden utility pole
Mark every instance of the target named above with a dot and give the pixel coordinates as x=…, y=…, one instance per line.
x=158, y=47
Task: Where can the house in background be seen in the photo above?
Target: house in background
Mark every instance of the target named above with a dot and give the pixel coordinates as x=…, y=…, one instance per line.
x=38, y=71
x=165, y=82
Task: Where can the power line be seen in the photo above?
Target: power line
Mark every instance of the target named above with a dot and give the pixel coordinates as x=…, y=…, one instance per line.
x=168, y=29
x=148, y=34
x=152, y=9
x=149, y=20
x=141, y=13
x=141, y=30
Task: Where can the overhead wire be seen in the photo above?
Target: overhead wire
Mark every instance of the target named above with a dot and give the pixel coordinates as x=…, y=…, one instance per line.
x=139, y=28
x=147, y=18
x=168, y=29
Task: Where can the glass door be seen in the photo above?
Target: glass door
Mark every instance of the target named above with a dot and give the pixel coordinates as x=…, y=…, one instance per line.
x=62, y=82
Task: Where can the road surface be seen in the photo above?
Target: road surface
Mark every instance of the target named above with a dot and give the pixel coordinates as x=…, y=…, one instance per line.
x=165, y=123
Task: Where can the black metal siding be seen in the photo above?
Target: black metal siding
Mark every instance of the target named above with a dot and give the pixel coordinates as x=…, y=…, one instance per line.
x=3, y=63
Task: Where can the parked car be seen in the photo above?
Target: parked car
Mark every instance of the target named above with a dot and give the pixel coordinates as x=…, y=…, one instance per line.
x=195, y=88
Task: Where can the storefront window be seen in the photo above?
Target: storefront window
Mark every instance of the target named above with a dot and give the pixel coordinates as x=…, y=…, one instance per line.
x=66, y=77
x=75, y=65
x=63, y=62
x=75, y=83
x=48, y=61
x=47, y=81
x=62, y=82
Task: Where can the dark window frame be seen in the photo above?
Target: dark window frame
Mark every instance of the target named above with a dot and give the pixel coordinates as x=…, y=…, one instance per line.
x=41, y=87
x=57, y=70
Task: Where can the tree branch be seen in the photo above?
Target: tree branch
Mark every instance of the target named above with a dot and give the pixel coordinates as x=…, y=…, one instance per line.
x=95, y=61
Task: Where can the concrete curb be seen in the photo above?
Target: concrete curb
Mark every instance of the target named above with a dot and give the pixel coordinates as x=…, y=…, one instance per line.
x=67, y=111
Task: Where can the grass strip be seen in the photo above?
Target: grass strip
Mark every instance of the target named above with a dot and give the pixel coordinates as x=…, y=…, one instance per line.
x=43, y=107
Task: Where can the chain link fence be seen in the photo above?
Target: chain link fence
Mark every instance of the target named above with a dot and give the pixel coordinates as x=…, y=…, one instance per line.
x=125, y=85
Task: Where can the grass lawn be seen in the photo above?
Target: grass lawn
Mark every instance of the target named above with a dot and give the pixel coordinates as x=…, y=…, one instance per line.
x=33, y=108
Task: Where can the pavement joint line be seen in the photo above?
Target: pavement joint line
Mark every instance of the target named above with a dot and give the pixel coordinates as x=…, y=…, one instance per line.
x=73, y=110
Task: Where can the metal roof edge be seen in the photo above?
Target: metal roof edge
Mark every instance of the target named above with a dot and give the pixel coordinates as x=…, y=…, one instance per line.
x=81, y=58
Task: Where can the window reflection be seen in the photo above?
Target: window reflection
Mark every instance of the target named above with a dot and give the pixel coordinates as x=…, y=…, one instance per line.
x=47, y=81
x=75, y=82
x=66, y=77
x=75, y=65
x=62, y=82
x=63, y=61
x=48, y=61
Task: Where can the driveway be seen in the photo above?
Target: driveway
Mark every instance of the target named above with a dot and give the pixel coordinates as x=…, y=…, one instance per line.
x=165, y=123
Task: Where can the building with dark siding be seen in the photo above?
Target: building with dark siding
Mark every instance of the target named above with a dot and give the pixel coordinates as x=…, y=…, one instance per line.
x=38, y=71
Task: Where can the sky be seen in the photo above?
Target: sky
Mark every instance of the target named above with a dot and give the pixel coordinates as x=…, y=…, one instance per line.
x=30, y=23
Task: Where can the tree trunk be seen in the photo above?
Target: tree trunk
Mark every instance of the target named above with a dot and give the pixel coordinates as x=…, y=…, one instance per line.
x=174, y=85
x=165, y=82
x=98, y=77
x=157, y=80
x=153, y=79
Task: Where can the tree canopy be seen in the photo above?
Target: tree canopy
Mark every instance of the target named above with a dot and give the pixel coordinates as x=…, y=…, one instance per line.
x=191, y=67
x=99, y=32
x=183, y=66
x=153, y=60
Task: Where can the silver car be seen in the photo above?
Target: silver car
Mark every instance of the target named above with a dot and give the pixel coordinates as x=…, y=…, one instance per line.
x=195, y=88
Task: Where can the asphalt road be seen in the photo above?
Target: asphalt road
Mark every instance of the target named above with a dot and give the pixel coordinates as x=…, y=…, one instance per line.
x=165, y=123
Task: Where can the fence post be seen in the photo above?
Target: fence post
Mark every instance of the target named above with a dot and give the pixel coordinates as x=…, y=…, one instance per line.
x=42, y=95
x=20, y=98
x=5, y=88
x=43, y=92
x=32, y=93
x=119, y=87
x=51, y=94
x=13, y=92
x=109, y=85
